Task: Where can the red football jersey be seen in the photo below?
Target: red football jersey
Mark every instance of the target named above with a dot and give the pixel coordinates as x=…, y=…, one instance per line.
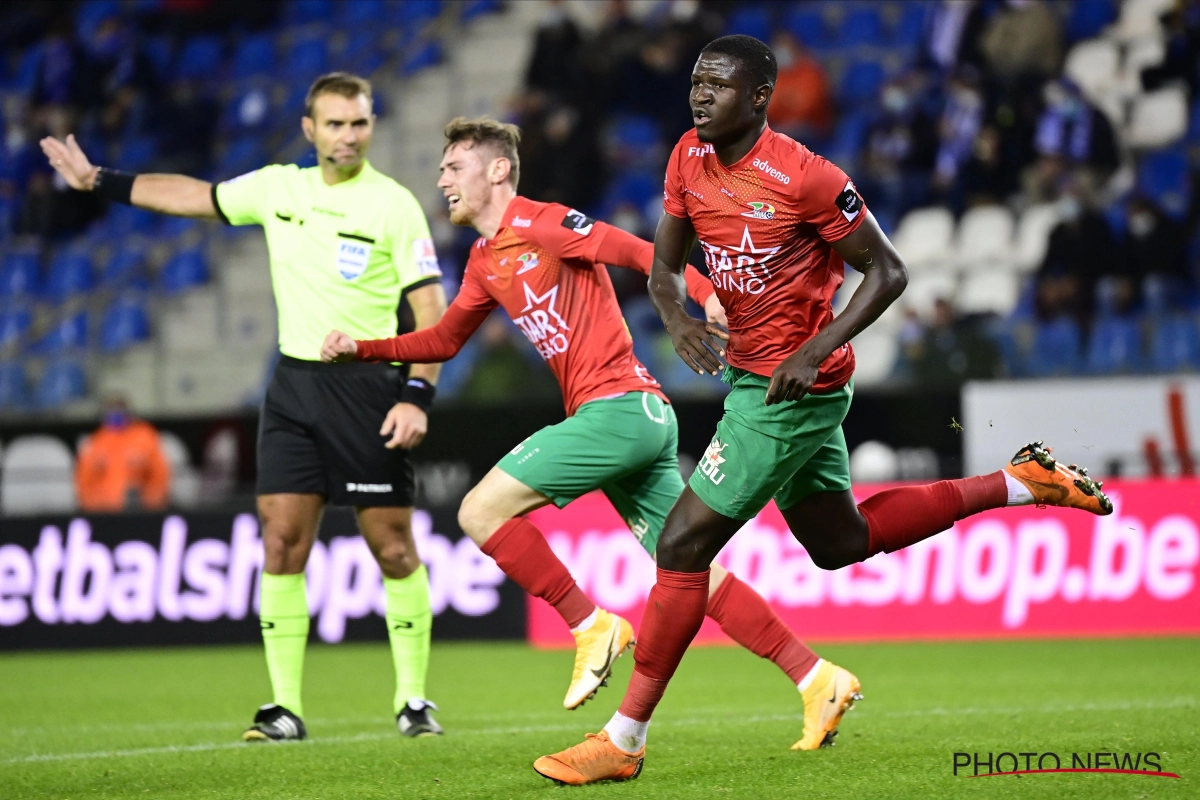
x=542, y=268
x=765, y=224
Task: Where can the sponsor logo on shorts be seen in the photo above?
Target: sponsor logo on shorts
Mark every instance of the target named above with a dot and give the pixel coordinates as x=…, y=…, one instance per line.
x=369, y=488
x=709, y=465
x=760, y=211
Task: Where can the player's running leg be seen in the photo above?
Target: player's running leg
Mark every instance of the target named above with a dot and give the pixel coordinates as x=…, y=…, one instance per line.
x=491, y=516
x=289, y=525
x=644, y=498
x=409, y=616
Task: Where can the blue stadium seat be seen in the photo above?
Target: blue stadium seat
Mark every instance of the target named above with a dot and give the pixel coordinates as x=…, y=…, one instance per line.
x=634, y=188
x=127, y=267
x=1088, y=17
x=174, y=227
x=200, y=59
x=136, y=153
x=70, y=333
x=861, y=82
x=423, y=53
x=1056, y=347
x=413, y=15
x=862, y=25
x=14, y=385
x=477, y=8
x=1164, y=176
x=125, y=322
x=70, y=274
x=62, y=382
x=123, y=220
x=362, y=52
x=19, y=273
x=13, y=324
x=308, y=56
x=302, y=12
x=849, y=135
x=187, y=269
x=1115, y=346
x=809, y=26
x=1193, y=134
x=240, y=156
x=752, y=21
x=1175, y=344
x=159, y=51
x=355, y=13
x=248, y=108
x=254, y=55
x=908, y=31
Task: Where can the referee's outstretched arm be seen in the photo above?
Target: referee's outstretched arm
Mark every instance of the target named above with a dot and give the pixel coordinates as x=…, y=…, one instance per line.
x=167, y=194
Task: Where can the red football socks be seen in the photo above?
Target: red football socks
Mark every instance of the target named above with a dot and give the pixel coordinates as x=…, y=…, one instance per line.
x=522, y=552
x=897, y=518
x=673, y=615
x=748, y=620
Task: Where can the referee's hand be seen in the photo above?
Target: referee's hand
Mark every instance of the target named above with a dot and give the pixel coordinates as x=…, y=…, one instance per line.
x=338, y=347
x=407, y=425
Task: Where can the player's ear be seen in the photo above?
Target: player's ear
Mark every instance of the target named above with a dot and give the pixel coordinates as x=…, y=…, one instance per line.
x=761, y=98
x=308, y=126
x=499, y=170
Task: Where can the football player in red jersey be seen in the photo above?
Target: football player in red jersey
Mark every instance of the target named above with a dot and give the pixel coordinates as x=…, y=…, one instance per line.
x=544, y=263
x=777, y=224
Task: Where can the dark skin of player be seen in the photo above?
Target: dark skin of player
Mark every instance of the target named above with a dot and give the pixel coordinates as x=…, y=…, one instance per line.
x=730, y=111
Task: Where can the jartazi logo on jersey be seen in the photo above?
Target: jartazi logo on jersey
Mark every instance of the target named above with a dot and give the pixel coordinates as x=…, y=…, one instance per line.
x=369, y=488
x=766, y=167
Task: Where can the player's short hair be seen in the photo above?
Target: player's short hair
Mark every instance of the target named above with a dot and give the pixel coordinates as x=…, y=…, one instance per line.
x=502, y=137
x=345, y=84
x=755, y=56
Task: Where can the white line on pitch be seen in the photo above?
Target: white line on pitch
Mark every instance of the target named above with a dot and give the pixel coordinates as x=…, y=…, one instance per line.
x=1182, y=702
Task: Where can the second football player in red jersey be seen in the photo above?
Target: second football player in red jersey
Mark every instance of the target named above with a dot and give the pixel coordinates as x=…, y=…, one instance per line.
x=777, y=224
x=545, y=264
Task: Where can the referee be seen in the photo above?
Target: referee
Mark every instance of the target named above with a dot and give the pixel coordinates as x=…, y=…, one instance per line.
x=345, y=243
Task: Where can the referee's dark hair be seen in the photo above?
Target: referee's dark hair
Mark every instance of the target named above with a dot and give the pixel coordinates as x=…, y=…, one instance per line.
x=504, y=138
x=345, y=84
x=755, y=56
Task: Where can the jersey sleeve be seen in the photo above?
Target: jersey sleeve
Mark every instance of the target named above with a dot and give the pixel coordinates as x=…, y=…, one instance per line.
x=413, y=254
x=829, y=200
x=673, y=185
x=563, y=232
x=244, y=200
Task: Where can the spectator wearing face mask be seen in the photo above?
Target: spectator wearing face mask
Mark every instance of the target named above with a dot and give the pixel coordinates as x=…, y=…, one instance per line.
x=901, y=147
x=1153, y=260
x=122, y=466
x=1081, y=247
x=1073, y=131
x=958, y=128
x=801, y=106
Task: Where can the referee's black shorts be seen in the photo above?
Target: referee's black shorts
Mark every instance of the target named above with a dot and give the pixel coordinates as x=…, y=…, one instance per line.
x=319, y=434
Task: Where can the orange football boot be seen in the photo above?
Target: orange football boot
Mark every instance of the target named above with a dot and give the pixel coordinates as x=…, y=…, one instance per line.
x=1052, y=484
x=594, y=759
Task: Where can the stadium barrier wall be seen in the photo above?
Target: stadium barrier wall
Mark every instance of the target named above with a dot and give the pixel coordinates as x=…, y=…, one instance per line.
x=145, y=579
x=1016, y=572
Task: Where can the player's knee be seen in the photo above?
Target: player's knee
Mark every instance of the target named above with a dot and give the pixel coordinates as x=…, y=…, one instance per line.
x=398, y=558
x=832, y=556
x=284, y=546
x=473, y=516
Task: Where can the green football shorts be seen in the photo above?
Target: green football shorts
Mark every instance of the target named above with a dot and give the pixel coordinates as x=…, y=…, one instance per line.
x=625, y=446
x=786, y=451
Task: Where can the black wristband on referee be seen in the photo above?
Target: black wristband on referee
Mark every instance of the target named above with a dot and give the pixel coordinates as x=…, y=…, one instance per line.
x=114, y=185
x=419, y=392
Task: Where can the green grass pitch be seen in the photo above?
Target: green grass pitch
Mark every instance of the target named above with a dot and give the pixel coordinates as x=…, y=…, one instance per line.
x=165, y=723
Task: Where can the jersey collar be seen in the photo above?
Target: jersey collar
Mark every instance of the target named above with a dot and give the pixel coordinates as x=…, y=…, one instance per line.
x=514, y=206
x=750, y=156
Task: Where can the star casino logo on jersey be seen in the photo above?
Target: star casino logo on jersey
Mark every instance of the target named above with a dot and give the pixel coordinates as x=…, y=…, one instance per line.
x=742, y=269
x=541, y=323
x=760, y=211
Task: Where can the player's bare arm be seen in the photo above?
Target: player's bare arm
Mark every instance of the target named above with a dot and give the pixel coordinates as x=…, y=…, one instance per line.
x=406, y=424
x=697, y=342
x=868, y=251
x=167, y=194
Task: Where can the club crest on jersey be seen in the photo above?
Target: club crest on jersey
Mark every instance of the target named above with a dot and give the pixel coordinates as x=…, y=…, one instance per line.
x=528, y=261
x=760, y=211
x=710, y=464
x=849, y=203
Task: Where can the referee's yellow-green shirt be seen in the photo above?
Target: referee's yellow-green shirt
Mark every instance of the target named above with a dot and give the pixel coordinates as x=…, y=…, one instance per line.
x=340, y=255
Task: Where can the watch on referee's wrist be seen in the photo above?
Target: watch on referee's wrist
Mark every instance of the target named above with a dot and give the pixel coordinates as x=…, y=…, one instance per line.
x=114, y=185
x=418, y=392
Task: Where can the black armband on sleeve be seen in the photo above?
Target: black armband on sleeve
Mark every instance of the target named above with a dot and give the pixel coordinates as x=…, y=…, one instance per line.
x=419, y=392
x=114, y=185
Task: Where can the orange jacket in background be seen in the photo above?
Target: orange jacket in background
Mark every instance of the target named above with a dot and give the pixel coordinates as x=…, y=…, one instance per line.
x=116, y=462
